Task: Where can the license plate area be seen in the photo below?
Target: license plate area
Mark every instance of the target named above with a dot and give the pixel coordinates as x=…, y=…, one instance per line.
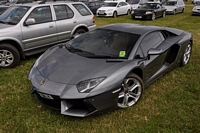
x=46, y=96
x=138, y=16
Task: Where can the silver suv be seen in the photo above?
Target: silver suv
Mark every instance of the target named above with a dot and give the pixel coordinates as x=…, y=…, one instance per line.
x=27, y=29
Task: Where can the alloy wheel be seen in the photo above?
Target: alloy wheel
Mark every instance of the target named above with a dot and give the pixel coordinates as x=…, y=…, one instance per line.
x=131, y=92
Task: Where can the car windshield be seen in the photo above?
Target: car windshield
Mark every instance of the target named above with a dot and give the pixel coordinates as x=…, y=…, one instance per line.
x=102, y=43
x=170, y=3
x=13, y=15
x=107, y=4
x=134, y=1
x=149, y=6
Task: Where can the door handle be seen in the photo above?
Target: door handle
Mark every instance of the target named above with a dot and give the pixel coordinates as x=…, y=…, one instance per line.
x=50, y=26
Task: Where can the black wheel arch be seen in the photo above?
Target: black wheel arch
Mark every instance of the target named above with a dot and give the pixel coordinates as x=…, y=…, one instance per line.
x=80, y=27
x=16, y=45
x=138, y=71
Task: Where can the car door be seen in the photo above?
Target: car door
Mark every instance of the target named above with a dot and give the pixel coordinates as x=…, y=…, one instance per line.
x=158, y=10
x=121, y=8
x=42, y=32
x=153, y=63
x=64, y=21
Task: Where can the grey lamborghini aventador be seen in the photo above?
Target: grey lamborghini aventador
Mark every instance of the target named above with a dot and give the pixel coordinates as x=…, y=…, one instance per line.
x=107, y=68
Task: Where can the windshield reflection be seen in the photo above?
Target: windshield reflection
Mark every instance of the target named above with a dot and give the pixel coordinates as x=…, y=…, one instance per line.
x=13, y=14
x=101, y=43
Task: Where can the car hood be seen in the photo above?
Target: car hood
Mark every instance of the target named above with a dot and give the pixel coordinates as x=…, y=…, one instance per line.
x=69, y=68
x=106, y=8
x=58, y=71
x=143, y=10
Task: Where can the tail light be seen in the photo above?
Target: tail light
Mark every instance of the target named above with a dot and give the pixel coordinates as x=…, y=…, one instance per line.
x=93, y=20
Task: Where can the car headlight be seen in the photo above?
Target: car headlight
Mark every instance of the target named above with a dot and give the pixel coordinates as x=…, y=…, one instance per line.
x=33, y=68
x=132, y=12
x=148, y=12
x=109, y=10
x=87, y=85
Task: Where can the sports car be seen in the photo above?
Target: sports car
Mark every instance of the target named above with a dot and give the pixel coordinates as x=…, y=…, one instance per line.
x=107, y=68
x=150, y=10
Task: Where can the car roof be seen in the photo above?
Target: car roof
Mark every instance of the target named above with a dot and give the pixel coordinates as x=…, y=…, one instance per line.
x=132, y=28
x=44, y=3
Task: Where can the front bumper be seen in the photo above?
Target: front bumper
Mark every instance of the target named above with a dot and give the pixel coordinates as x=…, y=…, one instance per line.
x=104, y=14
x=78, y=107
x=195, y=12
x=141, y=16
x=169, y=12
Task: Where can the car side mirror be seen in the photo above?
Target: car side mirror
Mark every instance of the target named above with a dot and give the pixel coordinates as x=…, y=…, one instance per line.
x=30, y=21
x=154, y=51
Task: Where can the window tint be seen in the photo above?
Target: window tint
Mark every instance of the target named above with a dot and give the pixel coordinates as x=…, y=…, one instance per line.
x=63, y=12
x=82, y=9
x=152, y=40
x=41, y=14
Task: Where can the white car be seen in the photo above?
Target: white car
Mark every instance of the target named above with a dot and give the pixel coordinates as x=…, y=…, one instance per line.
x=114, y=8
x=196, y=9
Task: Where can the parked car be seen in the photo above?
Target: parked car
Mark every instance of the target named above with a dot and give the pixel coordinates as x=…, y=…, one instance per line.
x=107, y=68
x=27, y=29
x=150, y=10
x=174, y=6
x=93, y=5
x=196, y=9
x=114, y=8
x=137, y=3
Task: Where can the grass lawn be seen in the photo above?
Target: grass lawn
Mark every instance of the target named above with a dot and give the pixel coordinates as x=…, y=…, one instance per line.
x=170, y=105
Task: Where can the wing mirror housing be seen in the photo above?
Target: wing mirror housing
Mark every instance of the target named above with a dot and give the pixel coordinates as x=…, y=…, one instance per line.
x=30, y=21
x=154, y=51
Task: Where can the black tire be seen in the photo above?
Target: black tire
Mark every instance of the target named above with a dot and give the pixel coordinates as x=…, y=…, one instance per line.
x=131, y=91
x=9, y=56
x=186, y=55
x=174, y=12
x=164, y=13
x=128, y=12
x=78, y=32
x=182, y=10
x=114, y=14
x=153, y=17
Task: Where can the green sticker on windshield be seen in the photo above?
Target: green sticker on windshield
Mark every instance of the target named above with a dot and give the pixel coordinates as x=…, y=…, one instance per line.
x=122, y=53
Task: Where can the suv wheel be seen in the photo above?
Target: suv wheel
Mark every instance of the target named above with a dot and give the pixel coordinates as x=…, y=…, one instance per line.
x=9, y=56
x=78, y=32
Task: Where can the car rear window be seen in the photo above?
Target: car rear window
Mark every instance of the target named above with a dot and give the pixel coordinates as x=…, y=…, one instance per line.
x=82, y=9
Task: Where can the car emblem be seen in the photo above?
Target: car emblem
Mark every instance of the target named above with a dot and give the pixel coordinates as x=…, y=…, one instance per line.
x=42, y=82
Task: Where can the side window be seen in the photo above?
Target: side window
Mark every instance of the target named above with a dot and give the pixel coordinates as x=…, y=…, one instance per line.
x=120, y=4
x=63, y=12
x=139, y=54
x=152, y=40
x=41, y=14
x=97, y=3
x=91, y=4
x=82, y=9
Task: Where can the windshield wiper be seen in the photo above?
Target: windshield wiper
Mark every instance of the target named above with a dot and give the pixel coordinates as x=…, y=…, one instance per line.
x=72, y=49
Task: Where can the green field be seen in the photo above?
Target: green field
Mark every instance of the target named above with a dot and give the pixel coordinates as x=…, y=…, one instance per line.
x=170, y=105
